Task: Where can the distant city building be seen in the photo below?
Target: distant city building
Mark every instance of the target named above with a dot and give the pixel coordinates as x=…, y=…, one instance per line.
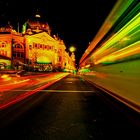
x=33, y=49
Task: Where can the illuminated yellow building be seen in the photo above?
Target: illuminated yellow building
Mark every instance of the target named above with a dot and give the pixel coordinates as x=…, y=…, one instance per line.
x=34, y=48
x=12, y=47
x=44, y=52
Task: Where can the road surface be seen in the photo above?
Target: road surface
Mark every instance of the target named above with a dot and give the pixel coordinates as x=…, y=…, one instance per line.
x=71, y=109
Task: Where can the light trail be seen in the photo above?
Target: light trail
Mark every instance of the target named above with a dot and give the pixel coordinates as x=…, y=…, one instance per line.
x=28, y=93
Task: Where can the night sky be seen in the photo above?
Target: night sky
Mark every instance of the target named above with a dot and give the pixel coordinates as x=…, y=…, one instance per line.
x=76, y=22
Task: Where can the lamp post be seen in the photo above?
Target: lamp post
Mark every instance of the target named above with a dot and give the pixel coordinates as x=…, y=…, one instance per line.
x=72, y=49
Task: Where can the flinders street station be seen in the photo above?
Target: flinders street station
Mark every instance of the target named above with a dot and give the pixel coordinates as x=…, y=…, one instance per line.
x=34, y=48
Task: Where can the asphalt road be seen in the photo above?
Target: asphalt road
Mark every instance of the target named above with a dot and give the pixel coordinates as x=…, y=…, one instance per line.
x=71, y=109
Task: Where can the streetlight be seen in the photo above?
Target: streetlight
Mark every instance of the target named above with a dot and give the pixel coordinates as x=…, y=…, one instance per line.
x=72, y=49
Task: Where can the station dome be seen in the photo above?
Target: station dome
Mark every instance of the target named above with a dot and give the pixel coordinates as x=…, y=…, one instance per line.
x=36, y=24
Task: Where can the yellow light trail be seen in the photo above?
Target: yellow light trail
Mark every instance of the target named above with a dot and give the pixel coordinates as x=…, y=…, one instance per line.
x=125, y=52
x=119, y=37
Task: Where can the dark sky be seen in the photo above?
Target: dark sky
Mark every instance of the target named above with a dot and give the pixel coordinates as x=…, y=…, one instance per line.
x=75, y=21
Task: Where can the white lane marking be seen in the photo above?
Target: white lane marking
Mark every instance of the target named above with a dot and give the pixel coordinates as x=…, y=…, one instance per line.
x=59, y=90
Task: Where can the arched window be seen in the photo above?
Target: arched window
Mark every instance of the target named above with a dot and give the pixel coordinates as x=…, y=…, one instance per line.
x=2, y=44
x=18, y=46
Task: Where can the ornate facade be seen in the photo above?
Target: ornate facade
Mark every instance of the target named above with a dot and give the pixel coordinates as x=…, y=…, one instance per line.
x=33, y=49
